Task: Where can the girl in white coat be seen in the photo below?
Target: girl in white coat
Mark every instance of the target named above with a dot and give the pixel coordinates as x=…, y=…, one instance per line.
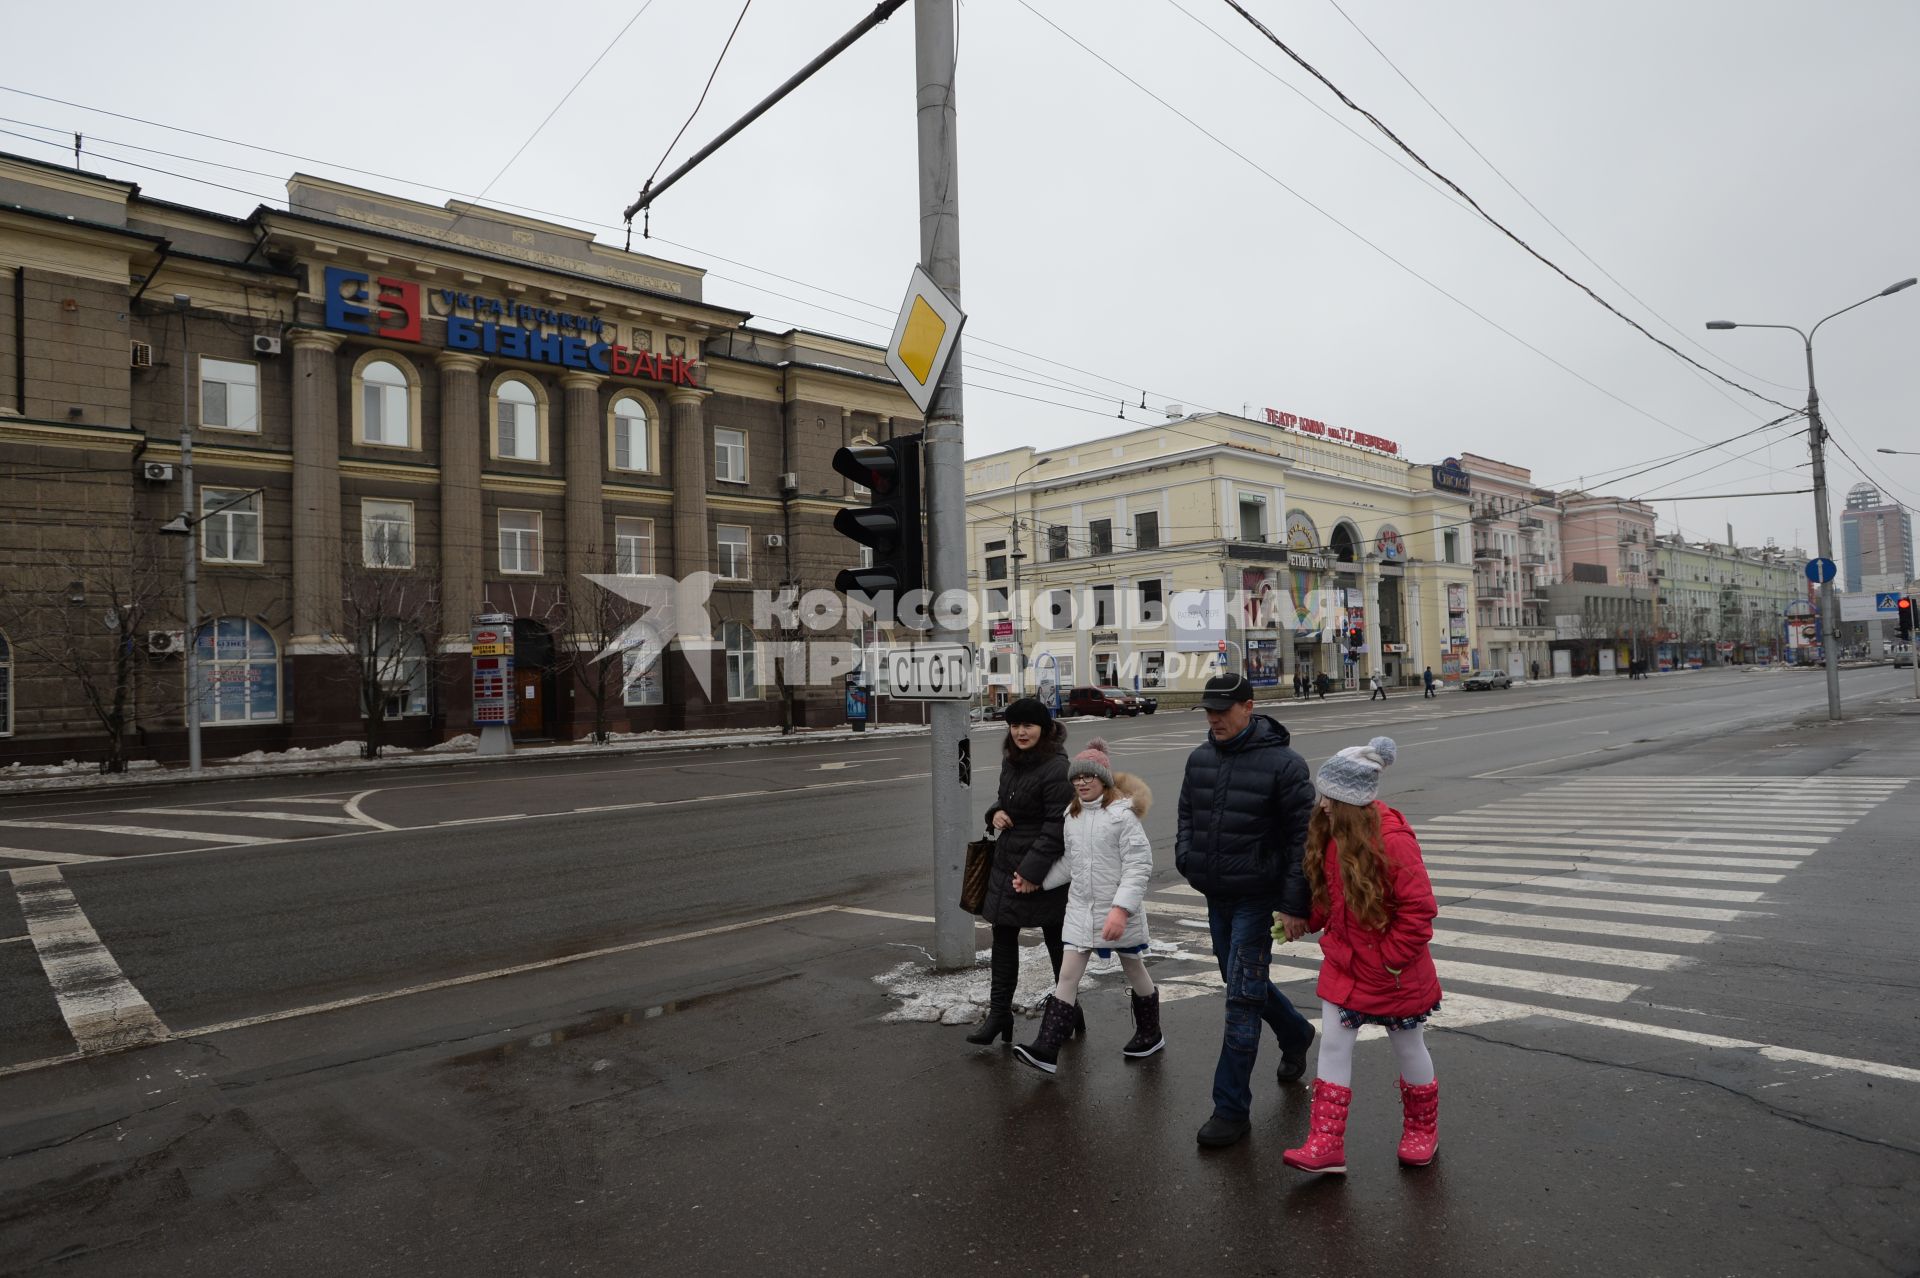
x=1110, y=860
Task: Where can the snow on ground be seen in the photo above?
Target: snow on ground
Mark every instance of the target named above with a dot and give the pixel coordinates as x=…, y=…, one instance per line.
x=960, y=998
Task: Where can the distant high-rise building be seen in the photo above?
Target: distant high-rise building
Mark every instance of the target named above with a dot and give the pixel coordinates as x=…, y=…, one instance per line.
x=1876, y=538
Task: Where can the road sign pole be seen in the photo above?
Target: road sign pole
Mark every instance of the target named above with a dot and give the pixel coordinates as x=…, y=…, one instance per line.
x=933, y=26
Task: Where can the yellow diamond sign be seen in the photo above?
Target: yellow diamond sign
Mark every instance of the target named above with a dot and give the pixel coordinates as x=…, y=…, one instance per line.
x=923, y=338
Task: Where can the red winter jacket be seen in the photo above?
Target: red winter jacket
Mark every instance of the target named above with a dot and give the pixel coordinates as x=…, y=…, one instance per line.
x=1358, y=972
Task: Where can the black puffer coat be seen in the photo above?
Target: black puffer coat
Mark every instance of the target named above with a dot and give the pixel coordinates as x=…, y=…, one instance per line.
x=1244, y=808
x=1035, y=792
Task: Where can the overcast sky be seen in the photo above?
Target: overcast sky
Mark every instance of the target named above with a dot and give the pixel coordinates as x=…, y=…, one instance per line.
x=1751, y=160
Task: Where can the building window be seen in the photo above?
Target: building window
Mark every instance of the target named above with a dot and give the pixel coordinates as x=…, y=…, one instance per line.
x=1253, y=519
x=401, y=663
x=1100, y=535
x=1153, y=669
x=229, y=526
x=1153, y=608
x=742, y=684
x=632, y=546
x=996, y=567
x=519, y=541
x=641, y=681
x=1450, y=540
x=1146, y=530
x=1059, y=610
x=631, y=444
x=731, y=541
x=386, y=405
x=998, y=600
x=516, y=422
x=1103, y=610
x=386, y=533
x=1105, y=669
x=229, y=395
x=6, y=688
x=1056, y=541
x=239, y=672
x=730, y=456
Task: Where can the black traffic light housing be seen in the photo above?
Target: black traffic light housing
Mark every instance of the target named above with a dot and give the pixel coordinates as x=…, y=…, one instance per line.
x=1904, y=613
x=1355, y=637
x=890, y=523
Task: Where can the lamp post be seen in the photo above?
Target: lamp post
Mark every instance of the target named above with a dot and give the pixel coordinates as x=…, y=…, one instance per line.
x=190, y=561
x=1897, y=452
x=1019, y=622
x=1817, y=445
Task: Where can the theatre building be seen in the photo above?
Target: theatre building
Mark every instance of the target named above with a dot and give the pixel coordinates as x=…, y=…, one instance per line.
x=402, y=417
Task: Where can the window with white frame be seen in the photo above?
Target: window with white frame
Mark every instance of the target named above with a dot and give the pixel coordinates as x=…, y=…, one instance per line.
x=642, y=671
x=229, y=526
x=519, y=541
x=386, y=533
x=742, y=682
x=1146, y=530
x=517, y=421
x=1104, y=613
x=632, y=546
x=730, y=456
x=385, y=405
x=229, y=395
x=239, y=666
x=632, y=444
x=400, y=662
x=735, y=561
x=6, y=687
x=1153, y=669
x=1253, y=518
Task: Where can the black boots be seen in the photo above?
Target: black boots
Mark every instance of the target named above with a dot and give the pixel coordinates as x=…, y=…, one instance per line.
x=1056, y=1023
x=1293, y=1064
x=1147, y=1038
x=999, y=1024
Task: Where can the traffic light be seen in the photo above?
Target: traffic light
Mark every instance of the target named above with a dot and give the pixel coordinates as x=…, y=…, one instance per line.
x=1355, y=637
x=889, y=524
x=1904, y=611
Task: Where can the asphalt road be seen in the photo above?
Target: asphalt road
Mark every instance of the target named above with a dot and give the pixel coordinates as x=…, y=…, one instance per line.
x=1626, y=870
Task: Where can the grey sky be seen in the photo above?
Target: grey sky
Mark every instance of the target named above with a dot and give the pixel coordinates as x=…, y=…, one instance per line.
x=1743, y=160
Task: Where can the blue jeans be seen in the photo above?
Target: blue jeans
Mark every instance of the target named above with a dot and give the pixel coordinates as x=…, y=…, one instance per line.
x=1243, y=944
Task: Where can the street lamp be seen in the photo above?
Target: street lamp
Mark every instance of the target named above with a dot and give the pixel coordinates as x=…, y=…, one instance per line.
x=1817, y=445
x=1897, y=452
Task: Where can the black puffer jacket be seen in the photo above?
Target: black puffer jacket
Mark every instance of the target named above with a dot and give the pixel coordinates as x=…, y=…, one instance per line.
x=1035, y=792
x=1244, y=808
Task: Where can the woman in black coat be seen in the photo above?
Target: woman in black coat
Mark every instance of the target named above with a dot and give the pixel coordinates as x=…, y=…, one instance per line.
x=1034, y=794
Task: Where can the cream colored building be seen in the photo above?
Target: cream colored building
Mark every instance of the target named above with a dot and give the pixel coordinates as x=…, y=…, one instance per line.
x=1146, y=558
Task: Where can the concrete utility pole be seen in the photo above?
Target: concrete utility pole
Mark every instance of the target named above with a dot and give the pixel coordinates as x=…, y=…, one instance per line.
x=190, y=578
x=945, y=453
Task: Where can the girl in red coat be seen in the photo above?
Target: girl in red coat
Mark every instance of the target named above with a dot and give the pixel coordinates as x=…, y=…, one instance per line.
x=1372, y=898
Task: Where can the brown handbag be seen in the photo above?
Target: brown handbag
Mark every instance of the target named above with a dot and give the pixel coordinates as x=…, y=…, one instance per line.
x=973, y=879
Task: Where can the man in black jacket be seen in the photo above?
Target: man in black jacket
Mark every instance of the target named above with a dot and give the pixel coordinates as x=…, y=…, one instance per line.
x=1244, y=806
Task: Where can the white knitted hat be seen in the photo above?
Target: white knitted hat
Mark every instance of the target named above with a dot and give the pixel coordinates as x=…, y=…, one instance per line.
x=1353, y=775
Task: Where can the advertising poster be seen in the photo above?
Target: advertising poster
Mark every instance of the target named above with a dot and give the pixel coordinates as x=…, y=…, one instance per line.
x=1263, y=662
x=492, y=637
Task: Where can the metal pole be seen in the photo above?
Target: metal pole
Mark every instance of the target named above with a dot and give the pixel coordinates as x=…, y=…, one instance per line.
x=1829, y=608
x=953, y=943
x=191, y=560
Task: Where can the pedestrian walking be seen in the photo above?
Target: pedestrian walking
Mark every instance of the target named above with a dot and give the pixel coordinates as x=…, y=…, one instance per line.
x=1320, y=683
x=1536, y=672
x=1110, y=861
x=1427, y=678
x=1379, y=688
x=1373, y=907
x=1025, y=822
x=1299, y=686
x=1245, y=800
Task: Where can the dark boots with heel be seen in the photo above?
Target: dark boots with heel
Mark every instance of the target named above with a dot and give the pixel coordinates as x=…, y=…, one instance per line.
x=1147, y=1038
x=999, y=1024
x=1056, y=1023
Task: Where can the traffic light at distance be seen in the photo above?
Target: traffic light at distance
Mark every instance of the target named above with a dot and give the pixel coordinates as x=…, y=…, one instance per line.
x=889, y=524
x=1904, y=612
x=1356, y=637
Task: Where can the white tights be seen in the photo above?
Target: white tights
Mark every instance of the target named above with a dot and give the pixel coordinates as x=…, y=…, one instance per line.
x=1336, y=1049
x=1073, y=966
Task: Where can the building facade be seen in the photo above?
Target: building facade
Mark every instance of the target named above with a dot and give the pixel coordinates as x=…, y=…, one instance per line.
x=1516, y=558
x=402, y=417
x=1721, y=604
x=1150, y=558
x=1876, y=541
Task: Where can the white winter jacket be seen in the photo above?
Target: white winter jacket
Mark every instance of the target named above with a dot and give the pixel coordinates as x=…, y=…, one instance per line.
x=1111, y=861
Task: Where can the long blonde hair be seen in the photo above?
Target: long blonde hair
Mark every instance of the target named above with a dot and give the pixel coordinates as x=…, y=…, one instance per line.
x=1355, y=832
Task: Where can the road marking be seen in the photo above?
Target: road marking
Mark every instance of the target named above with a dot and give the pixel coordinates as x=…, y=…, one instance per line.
x=1585, y=987
x=1603, y=885
x=55, y=858
x=1181, y=889
x=1645, y=871
x=313, y=817
x=1600, y=927
x=14, y=940
x=1513, y=825
x=103, y=1011
x=1650, y=960
x=1684, y=843
x=353, y=810
x=1710, y=913
x=139, y=831
x=1635, y=858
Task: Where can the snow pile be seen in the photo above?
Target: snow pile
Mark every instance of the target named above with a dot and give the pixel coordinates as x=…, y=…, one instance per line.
x=295, y=754
x=960, y=998
x=454, y=745
x=71, y=768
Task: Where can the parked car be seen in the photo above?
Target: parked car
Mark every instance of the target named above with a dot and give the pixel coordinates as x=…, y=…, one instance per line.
x=1147, y=704
x=1106, y=702
x=1484, y=680
x=1902, y=655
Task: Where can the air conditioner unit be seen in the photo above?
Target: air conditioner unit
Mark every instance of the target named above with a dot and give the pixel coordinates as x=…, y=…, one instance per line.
x=165, y=643
x=265, y=344
x=789, y=482
x=156, y=472
x=775, y=541
x=140, y=355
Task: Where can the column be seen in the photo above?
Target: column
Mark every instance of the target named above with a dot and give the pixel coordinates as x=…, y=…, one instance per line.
x=1370, y=591
x=588, y=547
x=463, y=540
x=690, y=467
x=316, y=487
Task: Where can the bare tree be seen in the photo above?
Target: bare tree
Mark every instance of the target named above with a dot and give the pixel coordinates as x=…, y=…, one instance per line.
x=88, y=618
x=604, y=643
x=388, y=643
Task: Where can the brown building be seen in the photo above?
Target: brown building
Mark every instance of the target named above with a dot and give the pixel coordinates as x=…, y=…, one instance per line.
x=401, y=416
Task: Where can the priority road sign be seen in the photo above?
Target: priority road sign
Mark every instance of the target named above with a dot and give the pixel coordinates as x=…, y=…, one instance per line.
x=923, y=338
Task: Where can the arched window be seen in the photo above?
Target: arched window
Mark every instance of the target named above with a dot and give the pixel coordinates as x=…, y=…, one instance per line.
x=630, y=435
x=239, y=672
x=742, y=682
x=1344, y=542
x=516, y=421
x=386, y=405
x=6, y=687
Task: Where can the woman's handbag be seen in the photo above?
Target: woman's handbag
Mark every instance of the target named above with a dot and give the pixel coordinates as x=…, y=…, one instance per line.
x=973, y=879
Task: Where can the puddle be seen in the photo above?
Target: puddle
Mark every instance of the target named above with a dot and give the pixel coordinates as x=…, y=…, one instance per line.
x=603, y=1023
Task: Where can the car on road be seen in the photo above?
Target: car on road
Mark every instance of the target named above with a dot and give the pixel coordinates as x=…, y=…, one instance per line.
x=1147, y=704
x=1902, y=655
x=1105, y=702
x=1484, y=680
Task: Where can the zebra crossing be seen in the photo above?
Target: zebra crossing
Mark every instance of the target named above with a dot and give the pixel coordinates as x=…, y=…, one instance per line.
x=1574, y=898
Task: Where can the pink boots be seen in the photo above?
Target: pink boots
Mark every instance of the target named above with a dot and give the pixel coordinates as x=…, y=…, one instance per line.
x=1420, y=1128
x=1326, y=1147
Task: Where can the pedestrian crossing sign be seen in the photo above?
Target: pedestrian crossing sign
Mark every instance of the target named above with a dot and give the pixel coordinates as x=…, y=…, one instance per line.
x=923, y=338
